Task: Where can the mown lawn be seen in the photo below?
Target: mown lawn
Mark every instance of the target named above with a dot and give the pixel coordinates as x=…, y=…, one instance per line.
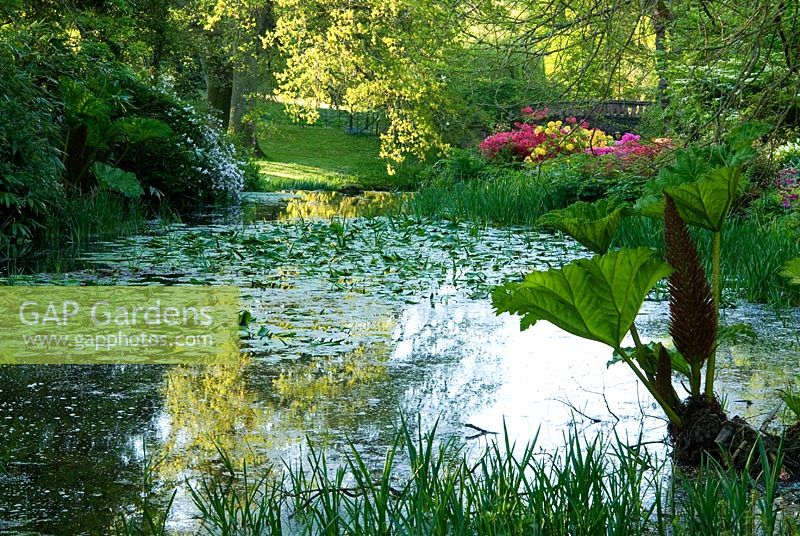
x=312, y=157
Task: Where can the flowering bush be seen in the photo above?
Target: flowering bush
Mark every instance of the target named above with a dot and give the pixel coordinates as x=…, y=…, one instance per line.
x=531, y=142
x=630, y=145
x=197, y=164
x=788, y=153
x=213, y=167
x=788, y=183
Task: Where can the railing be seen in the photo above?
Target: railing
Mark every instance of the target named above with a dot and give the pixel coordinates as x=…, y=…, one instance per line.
x=612, y=116
x=369, y=123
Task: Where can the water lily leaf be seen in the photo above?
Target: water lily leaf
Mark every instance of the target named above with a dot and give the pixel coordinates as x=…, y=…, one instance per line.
x=791, y=270
x=118, y=180
x=595, y=298
x=592, y=224
x=707, y=201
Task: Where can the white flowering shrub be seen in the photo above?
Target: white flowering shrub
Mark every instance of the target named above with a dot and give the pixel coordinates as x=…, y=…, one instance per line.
x=788, y=154
x=199, y=163
x=214, y=170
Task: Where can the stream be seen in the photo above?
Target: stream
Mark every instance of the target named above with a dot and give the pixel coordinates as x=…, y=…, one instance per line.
x=354, y=319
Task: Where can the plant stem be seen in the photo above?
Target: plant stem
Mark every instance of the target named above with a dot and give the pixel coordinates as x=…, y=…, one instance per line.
x=695, y=379
x=635, y=336
x=671, y=414
x=716, y=291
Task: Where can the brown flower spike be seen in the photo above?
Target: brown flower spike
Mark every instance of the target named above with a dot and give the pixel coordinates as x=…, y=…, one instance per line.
x=693, y=317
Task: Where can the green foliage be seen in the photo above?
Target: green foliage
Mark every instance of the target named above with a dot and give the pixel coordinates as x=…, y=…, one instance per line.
x=703, y=193
x=755, y=253
x=118, y=180
x=30, y=166
x=510, y=197
x=591, y=224
x=142, y=129
x=595, y=298
x=462, y=165
x=646, y=357
x=791, y=270
x=77, y=122
x=707, y=201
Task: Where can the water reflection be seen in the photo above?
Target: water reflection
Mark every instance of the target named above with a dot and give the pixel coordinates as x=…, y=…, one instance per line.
x=70, y=463
x=271, y=206
x=354, y=322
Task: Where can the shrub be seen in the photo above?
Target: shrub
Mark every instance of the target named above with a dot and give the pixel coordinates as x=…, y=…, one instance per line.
x=461, y=165
x=532, y=142
x=75, y=123
x=197, y=164
x=30, y=166
x=617, y=175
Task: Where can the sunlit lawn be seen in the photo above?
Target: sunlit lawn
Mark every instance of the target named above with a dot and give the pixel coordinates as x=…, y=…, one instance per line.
x=324, y=158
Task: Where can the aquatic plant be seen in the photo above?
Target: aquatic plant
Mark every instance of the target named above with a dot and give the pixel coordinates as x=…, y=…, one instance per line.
x=599, y=298
x=430, y=486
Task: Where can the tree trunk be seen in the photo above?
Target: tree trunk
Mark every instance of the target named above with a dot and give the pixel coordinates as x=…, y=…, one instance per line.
x=661, y=17
x=246, y=80
x=219, y=86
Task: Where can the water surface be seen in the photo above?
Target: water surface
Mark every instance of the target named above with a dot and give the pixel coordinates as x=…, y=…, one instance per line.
x=354, y=321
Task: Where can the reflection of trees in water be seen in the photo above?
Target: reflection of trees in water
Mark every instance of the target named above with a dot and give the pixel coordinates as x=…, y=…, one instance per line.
x=210, y=408
x=252, y=411
x=67, y=437
x=326, y=205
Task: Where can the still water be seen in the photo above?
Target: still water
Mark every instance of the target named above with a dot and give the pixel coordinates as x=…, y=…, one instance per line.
x=354, y=320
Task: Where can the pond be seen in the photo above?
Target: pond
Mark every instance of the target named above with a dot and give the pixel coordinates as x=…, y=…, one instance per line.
x=352, y=321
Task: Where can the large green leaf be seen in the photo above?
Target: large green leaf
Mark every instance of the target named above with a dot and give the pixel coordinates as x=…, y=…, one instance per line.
x=141, y=129
x=591, y=224
x=707, y=201
x=690, y=165
x=118, y=180
x=595, y=298
x=738, y=148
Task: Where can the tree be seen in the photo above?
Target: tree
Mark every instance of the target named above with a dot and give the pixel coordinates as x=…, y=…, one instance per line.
x=391, y=56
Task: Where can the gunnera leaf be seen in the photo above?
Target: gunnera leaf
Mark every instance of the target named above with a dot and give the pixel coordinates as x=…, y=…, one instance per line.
x=693, y=317
x=706, y=202
x=117, y=179
x=595, y=298
x=592, y=224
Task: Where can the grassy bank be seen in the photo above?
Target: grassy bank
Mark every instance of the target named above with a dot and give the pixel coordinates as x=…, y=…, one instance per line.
x=511, y=198
x=430, y=486
x=67, y=231
x=753, y=255
x=324, y=157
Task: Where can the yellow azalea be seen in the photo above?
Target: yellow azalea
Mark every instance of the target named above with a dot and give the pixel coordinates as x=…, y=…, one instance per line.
x=541, y=151
x=550, y=124
x=570, y=147
x=558, y=123
x=538, y=130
